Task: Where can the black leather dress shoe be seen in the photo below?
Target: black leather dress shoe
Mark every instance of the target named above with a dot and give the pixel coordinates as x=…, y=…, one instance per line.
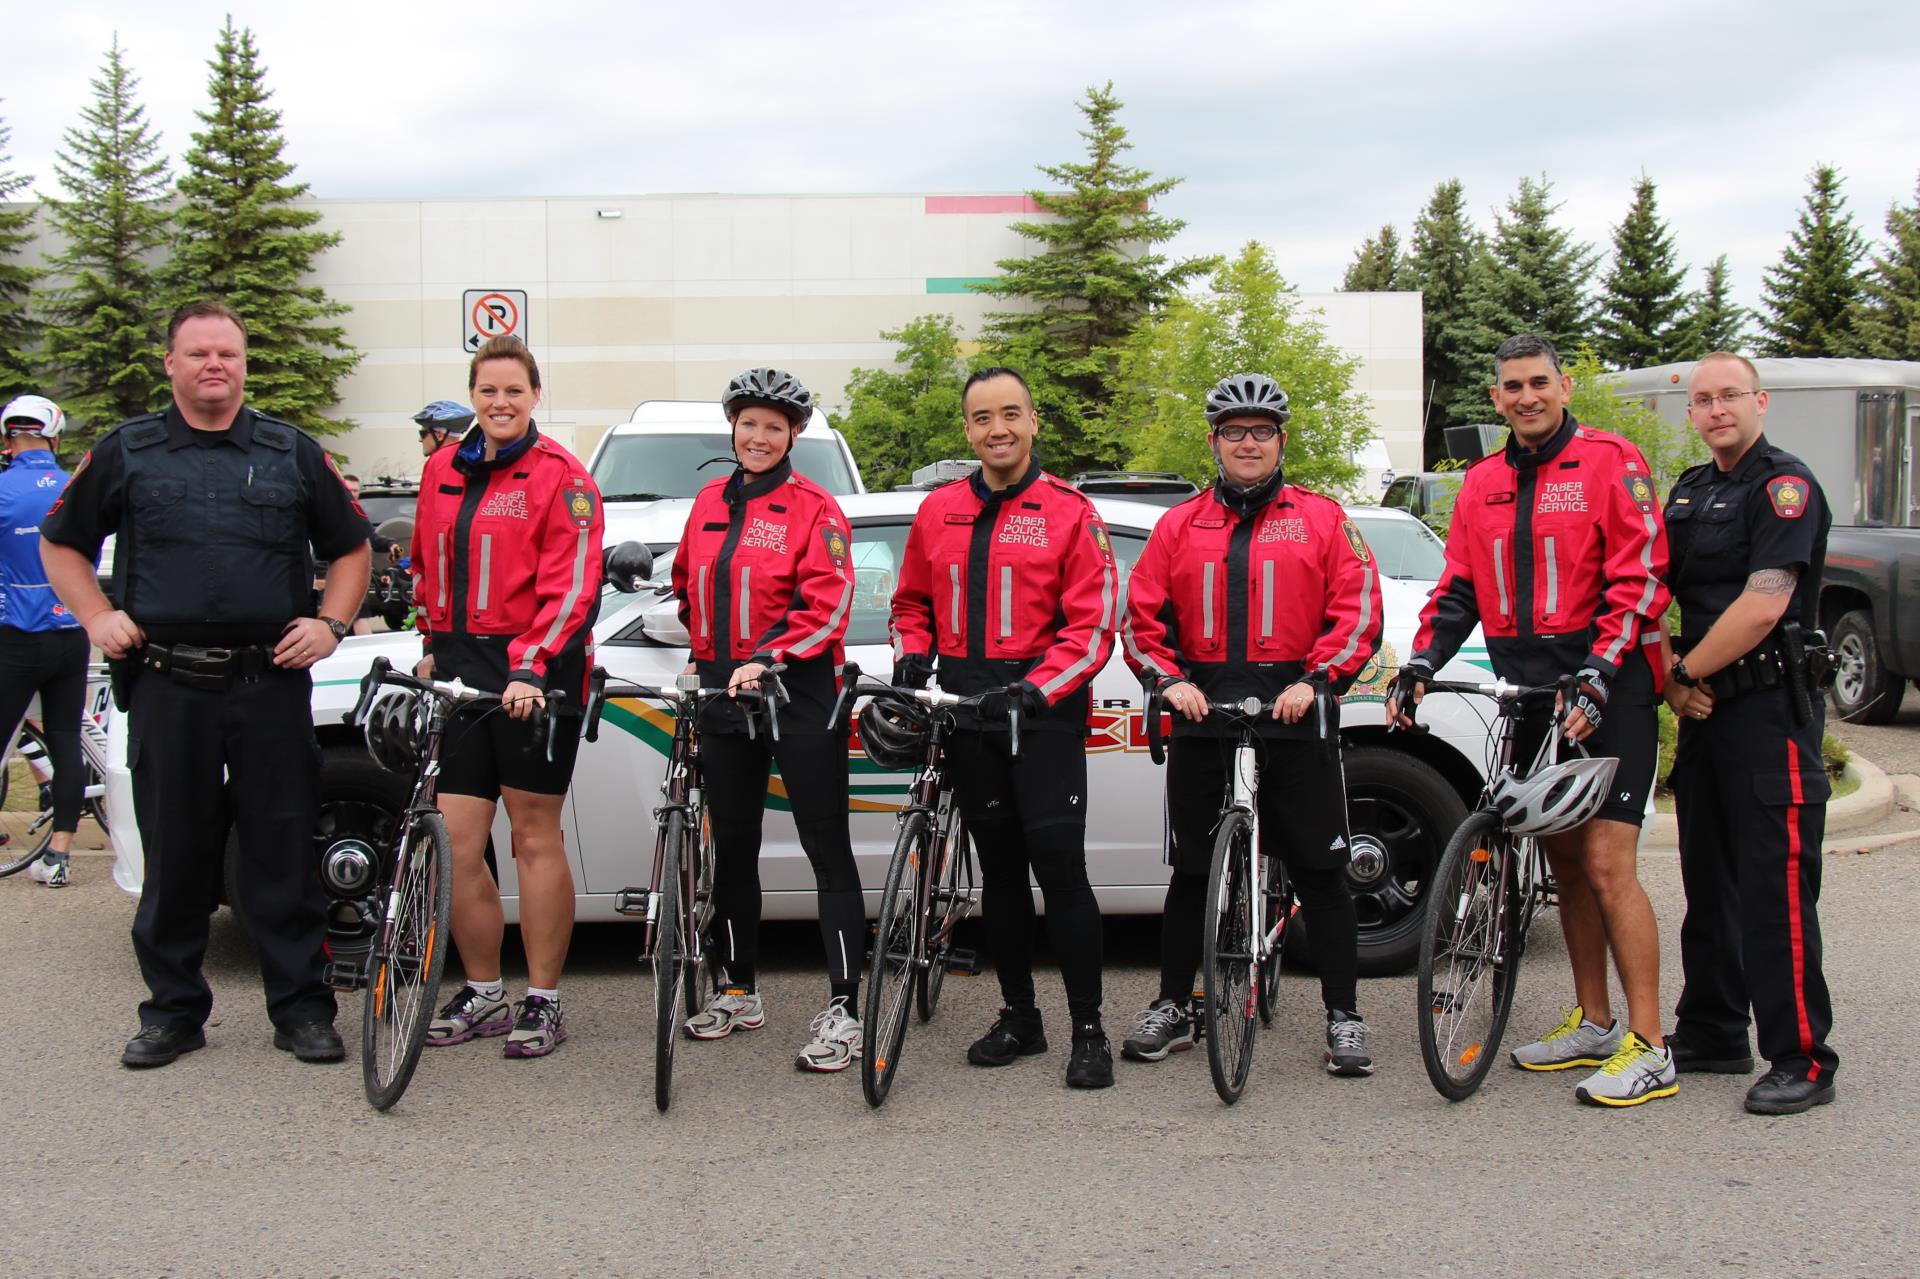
x=159, y=1045
x=1783, y=1092
x=1691, y=1059
x=311, y=1041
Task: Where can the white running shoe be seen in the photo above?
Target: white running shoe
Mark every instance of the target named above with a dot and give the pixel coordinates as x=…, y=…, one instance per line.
x=1637, y=1073
x=836, y=1042
x=1574, y=1042
x=49, y=870
x=733, y=1008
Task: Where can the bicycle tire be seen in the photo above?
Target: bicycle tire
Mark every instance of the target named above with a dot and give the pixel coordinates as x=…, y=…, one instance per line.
x=1278, y=898
x=697, y=971
x=1227, y=959
x=1468, y=957
x=948, y=909
x=891, y=971
x=403, y=982
x=29, y=842
x=669, y=959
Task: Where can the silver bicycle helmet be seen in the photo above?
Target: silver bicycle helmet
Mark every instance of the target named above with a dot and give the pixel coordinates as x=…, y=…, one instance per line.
x=771, y=388
x=1554, y=798
x=1247, y=393
x=395, y=727
x=893, y=731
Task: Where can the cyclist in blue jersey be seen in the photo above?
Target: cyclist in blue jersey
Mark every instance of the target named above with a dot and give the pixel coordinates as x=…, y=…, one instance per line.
x=43, y=649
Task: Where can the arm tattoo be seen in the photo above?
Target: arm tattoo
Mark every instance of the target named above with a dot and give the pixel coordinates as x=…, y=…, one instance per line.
x=1773, y=581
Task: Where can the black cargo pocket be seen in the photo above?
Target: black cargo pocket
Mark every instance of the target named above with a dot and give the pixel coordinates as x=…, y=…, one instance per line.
x=1774, y=789
x=155, y=502
x=273, y=505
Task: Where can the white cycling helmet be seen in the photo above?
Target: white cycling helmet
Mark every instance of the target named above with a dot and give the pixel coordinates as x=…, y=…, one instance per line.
x=1555, y=798
x=33, y=415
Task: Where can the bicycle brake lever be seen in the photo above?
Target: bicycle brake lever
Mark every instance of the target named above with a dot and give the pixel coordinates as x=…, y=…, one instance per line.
x=596, y=701
x=552, y=712
x=369, y=686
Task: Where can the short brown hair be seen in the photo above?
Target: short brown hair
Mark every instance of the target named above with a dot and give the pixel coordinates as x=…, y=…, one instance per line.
x=504, y=348
x=1737, y=358
x=205, y=309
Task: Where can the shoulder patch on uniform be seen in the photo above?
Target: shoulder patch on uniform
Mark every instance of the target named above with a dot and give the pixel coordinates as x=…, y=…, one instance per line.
x=1789, y=496
x=1639, y=490
x=1101, y=542
x=143, y=433
x=275, y=434
x=836, y=541
x=1357, y=542
x=580, y=504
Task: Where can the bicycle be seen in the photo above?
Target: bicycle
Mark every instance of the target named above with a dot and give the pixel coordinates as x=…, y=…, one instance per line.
x=678, y=905
x=408, y=954
x=27, y=751
x=1491, y=883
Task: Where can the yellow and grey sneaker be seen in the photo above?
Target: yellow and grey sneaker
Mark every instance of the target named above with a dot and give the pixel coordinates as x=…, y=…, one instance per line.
x=1574, y=1042
x=836, y=1041
x=731, y=1008
x=1637, y=1073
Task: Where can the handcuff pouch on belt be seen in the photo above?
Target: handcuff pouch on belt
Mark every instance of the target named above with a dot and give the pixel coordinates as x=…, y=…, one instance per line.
x=214, y=670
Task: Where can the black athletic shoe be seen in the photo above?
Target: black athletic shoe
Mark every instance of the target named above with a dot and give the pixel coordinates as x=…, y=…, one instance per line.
x=1689, y=1059
x=160, y=1046
x=1091, y=1065
x=313, y=1041
x=1783, y=1092
x=1014, y=1034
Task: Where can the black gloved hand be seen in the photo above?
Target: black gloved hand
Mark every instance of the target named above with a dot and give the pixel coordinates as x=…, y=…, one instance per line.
x=1412, y=678
x=1591, y=698
x=913, y=670
x=995, y=705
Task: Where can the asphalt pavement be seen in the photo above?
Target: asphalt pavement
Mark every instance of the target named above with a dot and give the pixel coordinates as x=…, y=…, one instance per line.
x=237, y=1160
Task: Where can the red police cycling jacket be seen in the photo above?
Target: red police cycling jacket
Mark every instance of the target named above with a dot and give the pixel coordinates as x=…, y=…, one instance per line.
x=1247, y=604
x=762, y=570
x=1010, y=585
x=1559, y=555
x=506, y=563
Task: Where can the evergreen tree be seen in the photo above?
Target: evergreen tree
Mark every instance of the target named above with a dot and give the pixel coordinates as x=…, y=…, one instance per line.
x=19, y=331
x=1714, y=322
x=1095, y=275
x=1641, y=300
x=105, y=322
x=1887, y=317
x=899, y=420
x=1376, y=265
x=1807, y=299
x=1439, y=263
x=242, y=238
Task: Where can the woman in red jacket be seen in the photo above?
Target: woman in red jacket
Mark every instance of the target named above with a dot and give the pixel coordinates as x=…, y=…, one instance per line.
x=506, y=562
x=762, y=577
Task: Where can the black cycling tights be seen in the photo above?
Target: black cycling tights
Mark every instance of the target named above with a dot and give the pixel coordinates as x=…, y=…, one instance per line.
x=53, y=664
x=1326, y=905
x=814, y=769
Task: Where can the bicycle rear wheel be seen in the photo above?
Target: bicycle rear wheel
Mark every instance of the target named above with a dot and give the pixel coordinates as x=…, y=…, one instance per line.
x=669, y=959
x=404, y=973
x=1233, y=930
x=891, y=973
x=1468, y=957
x=697, y=971
x=952, y=902
x=26, y=807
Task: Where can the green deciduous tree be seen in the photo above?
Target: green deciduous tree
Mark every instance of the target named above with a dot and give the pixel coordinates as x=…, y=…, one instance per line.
x=1377, y=265
x=1887, y=315
x=1251, y=321
x=1439, y=263
x=1094, y=276
x=903, y=418
x=1597, y=402
x=243, y=238
x=19, y=331
x=1713, y=322
x=1641, y=299
x=105, y=322
x=1807, y=298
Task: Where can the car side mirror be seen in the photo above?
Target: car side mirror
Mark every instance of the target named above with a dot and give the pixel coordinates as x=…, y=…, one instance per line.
x=628, y=566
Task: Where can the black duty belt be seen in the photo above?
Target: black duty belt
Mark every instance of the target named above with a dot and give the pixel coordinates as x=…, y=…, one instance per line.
x=213, y=669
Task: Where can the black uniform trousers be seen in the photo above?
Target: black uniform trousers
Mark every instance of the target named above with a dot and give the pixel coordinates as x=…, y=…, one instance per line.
x=200, y=758
x=1751, y=797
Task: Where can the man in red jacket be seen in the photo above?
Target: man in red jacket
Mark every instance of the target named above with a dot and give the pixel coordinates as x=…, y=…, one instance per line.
x=1008, y=583
x=1558, y=551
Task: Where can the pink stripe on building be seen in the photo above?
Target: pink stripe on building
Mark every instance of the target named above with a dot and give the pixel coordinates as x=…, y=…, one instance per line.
x=981, y=204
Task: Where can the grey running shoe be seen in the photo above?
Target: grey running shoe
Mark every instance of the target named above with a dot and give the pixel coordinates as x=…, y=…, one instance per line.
x=1349, y=1045
x=1574, y=1042
x=537, y=1030
x=1164, y=1028
x=1636, y=1074
x=733, y=1008
x=836, y=1042
x=50, y=870
x=468, y=1015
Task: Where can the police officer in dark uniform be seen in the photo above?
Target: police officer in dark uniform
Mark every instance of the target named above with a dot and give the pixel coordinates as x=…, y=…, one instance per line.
x=1749, y=535
x=219, y=511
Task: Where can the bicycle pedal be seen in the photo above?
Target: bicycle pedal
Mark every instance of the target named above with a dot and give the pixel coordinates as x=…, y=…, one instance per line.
x=632, y=901
x=963, y=963
x=344, y=974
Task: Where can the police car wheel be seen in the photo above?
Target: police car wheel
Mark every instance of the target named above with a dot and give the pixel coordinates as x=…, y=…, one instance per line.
x=1864, y=690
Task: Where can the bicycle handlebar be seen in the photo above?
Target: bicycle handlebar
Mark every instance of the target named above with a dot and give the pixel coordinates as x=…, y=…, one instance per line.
x=853, y=688
x=381, y=673
x=1499, y=690
x=687, y=692
x=1241, y=713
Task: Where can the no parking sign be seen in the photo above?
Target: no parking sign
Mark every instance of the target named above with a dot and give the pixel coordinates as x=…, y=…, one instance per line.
x=493, y=313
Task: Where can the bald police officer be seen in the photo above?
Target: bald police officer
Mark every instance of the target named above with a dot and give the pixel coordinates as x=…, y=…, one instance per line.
x=219, y=510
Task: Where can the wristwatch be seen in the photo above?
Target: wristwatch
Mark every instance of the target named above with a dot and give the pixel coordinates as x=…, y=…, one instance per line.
x=338, y=627
x=1681, y=676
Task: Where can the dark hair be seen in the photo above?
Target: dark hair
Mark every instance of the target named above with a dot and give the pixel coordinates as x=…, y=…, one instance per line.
x=504, y=348
x=988, y=374
x=205, y=309
x=1523, y=346
x=351, y=476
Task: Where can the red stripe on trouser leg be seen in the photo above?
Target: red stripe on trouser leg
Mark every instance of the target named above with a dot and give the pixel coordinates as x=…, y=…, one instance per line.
x=1793, y=910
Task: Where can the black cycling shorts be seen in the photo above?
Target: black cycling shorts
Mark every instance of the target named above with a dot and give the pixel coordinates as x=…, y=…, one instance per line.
x=1629, y=731
x=486, y=749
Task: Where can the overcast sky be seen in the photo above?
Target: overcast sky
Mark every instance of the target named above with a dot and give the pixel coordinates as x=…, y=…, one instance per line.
x=1305, y=126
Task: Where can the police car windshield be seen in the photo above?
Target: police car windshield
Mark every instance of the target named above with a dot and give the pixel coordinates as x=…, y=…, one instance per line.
x=669, y=465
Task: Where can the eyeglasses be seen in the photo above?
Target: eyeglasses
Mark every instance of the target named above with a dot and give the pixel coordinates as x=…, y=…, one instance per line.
x=1234, y=434
x=1703, y=403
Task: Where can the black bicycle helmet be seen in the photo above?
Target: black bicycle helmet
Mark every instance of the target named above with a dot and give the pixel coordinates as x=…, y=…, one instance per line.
x=394, y=730
x=1247, y=393
x=769, y=388
x=894, y=732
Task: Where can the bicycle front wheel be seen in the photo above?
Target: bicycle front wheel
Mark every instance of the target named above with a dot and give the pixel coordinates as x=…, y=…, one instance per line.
x=891, y=973
x=1468, y=957
x=1277, y=895
x=1232, y=937
x=952, y=901
x=405, y=965
x=26, y=804
x=669, y=959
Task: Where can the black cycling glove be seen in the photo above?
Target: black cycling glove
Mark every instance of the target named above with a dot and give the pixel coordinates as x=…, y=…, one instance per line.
x=1591, y=699
x=913, y=670
x=1412, y=678
x=995, y=705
